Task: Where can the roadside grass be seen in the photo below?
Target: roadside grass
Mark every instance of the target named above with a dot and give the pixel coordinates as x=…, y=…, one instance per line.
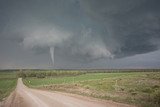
x=137, y=88
x=8, y=82
x=6, y=75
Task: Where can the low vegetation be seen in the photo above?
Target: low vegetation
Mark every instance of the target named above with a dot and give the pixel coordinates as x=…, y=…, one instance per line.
x=137, y=88
x=8, y=82
x=140, y=88
x=52, y=73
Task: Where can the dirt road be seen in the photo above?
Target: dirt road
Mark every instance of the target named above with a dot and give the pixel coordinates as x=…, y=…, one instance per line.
x=26, y=97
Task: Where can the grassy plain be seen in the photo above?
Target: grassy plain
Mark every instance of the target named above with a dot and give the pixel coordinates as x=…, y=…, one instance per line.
x=8, y=82
x=138, y=88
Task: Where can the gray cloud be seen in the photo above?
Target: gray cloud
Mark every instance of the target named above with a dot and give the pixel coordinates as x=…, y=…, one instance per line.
x=131, y=24
x=45, y=37
x=82, y=30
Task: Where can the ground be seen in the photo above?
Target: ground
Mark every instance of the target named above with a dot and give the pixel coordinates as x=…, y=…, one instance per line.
x=26, y=97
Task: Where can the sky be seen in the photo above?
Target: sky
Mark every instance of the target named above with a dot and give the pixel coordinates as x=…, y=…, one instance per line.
x=79, y=34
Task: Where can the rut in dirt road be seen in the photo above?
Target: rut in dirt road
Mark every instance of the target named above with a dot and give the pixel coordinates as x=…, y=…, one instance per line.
x=26, y=97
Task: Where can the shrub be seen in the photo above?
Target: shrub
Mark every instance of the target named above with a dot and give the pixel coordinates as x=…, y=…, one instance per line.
x=156, y=86
x=40, y=75
x=156, y=97
x=134, y=93
x=147, y=90
x=21, y=74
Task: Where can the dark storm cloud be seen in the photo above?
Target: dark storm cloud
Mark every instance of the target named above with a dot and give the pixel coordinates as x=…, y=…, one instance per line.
x=82, y=30
x=131, y=23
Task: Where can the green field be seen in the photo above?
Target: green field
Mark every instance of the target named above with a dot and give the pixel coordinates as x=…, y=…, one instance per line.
x=8, y=82
x=137, y=88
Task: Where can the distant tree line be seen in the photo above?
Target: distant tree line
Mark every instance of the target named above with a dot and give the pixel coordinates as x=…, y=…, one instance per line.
x=43, y=74
x=54, y=73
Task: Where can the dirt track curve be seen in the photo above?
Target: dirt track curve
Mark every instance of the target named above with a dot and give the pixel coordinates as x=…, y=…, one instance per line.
x=26, y=97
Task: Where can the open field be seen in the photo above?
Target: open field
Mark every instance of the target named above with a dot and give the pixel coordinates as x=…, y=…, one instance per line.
x=27, y=97
x=136, y=88
x=8, y=82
